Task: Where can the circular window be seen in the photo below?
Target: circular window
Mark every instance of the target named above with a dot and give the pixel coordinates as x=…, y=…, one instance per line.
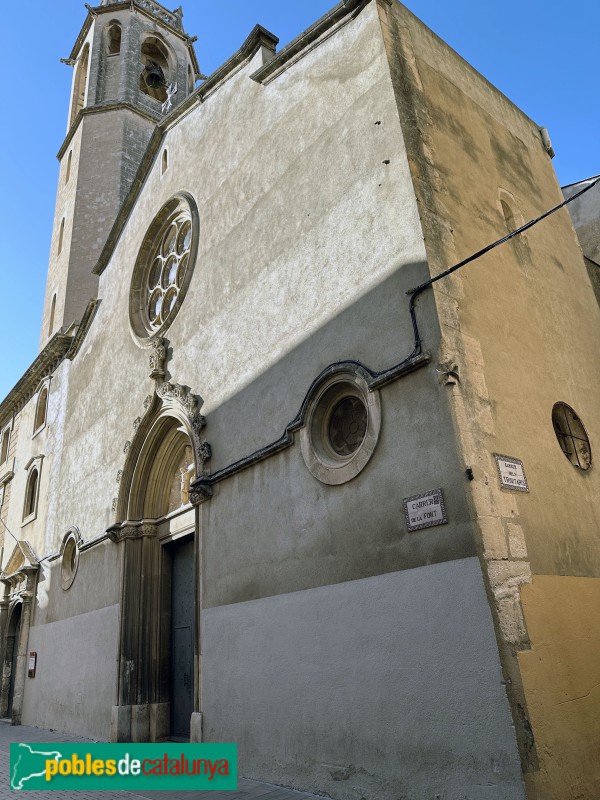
x=164, y=268
x=571, y=435
x=342, y=427
x=70, y=559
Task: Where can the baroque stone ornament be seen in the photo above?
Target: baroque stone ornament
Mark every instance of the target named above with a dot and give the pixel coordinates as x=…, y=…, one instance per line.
x=205, y=452
x=176, y=393
x=448, y=373
x=128, y=530
x=158, y=356
x=200, y=494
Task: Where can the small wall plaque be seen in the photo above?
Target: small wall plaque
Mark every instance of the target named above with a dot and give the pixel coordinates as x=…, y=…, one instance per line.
x=31, y=664
x=425, y=510
x=512, y=473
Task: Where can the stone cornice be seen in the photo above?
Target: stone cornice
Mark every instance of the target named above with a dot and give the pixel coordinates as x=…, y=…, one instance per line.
x=61, y=346
x=99, y=109
x=44, y=365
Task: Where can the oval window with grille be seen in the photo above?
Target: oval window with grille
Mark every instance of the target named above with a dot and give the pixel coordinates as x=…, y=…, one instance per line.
x=572, y=436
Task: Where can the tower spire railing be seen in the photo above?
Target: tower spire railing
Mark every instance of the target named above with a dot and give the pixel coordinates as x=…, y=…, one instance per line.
x=172, y=18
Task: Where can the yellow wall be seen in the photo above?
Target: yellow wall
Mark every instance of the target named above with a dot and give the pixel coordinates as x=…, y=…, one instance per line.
x=561, y=676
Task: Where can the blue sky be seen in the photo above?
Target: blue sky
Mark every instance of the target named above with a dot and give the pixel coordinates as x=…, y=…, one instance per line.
x=542, y=55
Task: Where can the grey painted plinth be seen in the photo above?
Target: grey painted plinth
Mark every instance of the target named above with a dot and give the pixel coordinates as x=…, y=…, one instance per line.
x=120, y=724
x=196, y=727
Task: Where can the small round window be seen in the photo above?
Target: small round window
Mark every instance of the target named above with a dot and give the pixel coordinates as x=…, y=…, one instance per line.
x=341, y=430
x=70, y=560
x=571, y=435
x=163, y=268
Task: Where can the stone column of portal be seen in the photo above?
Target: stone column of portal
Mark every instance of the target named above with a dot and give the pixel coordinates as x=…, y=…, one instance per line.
x=5, y=679
x=197, y=498
x=21, y=665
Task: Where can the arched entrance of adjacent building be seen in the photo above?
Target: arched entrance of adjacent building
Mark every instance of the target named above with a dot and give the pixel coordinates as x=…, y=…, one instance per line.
x=13, y=634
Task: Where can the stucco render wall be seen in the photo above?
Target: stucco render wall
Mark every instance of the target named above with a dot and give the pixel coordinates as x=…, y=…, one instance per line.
x=561, y=674
x=407, y=666
x=74, y=686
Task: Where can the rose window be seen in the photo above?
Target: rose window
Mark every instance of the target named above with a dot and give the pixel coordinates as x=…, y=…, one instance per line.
x=167, y=272
x=164, y=268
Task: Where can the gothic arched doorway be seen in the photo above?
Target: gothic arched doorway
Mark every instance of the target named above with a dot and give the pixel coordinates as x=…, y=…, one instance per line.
x=158, y=680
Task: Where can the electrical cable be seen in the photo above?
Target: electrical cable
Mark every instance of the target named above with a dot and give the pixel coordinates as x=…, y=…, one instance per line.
x=10, y=533
x=418, y=289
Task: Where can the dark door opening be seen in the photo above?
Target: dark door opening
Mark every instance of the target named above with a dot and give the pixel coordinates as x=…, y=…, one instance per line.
x=12, y=651
x=181, y=670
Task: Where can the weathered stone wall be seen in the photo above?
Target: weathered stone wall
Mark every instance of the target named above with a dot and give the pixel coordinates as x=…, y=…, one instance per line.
x=520, y=329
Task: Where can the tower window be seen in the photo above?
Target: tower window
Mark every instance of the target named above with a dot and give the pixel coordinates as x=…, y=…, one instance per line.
x=190, y=80
x=68, y=172
x=80, y=83
x=165, y=162
x=60, y=236
x=52, y=311
x=114, y=39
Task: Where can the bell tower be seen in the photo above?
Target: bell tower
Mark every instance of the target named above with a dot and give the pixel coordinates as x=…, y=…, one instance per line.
x=132, y=64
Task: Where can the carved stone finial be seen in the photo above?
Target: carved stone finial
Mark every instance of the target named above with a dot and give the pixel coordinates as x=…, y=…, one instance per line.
x=158, y=355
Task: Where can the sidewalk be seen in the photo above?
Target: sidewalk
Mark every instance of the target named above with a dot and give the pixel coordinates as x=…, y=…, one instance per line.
x=247, y=789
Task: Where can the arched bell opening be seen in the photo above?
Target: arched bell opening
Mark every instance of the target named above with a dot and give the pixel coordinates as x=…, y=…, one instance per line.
x=155, y=75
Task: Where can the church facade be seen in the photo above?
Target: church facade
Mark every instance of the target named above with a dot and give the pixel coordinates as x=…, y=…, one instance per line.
x=264, y=482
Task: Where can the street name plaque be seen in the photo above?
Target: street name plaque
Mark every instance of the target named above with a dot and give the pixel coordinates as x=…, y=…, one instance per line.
x=511, y=473
x=425, y=510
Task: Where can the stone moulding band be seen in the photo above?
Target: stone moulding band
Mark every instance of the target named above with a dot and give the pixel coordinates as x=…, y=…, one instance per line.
x=201, y=488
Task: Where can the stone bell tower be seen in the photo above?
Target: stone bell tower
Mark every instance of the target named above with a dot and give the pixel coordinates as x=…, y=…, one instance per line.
x=132, y=63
